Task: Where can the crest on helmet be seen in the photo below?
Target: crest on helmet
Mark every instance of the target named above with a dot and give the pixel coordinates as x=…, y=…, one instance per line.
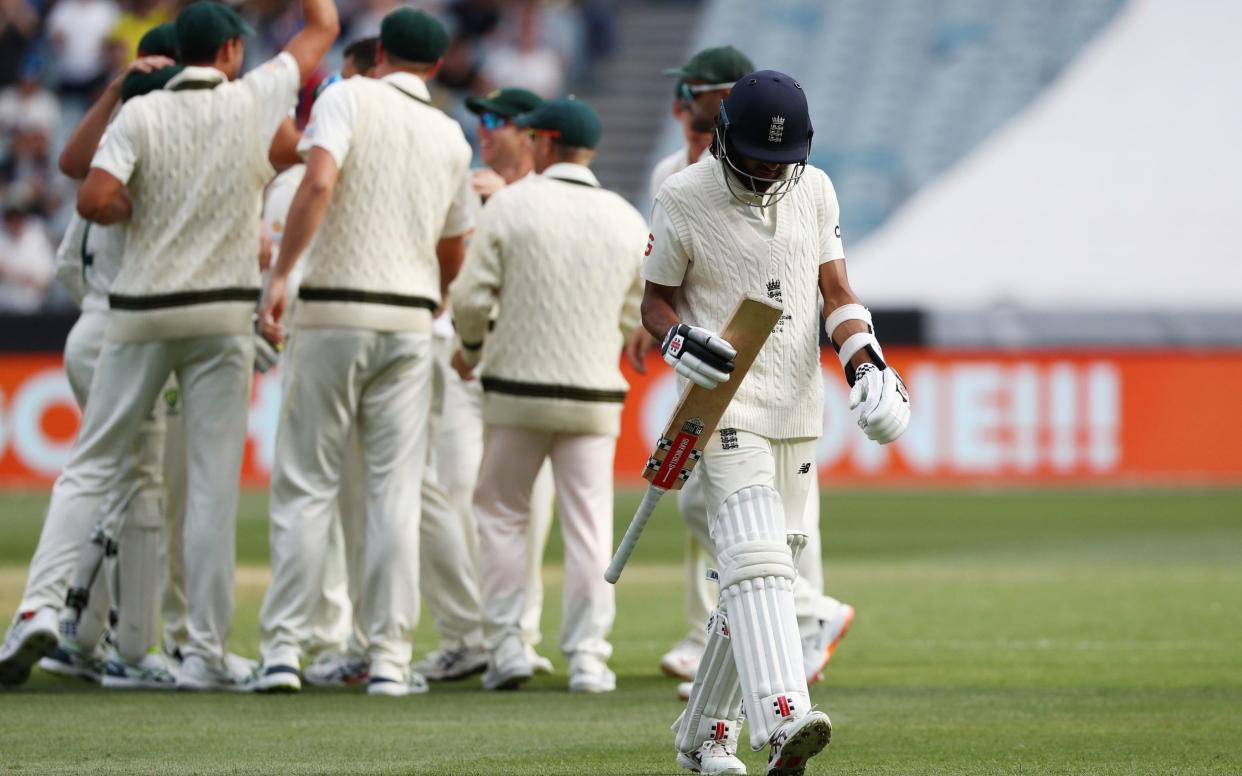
x=776, y=130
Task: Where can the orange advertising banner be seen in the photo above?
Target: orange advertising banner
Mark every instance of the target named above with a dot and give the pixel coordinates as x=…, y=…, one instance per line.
x=1024, y=418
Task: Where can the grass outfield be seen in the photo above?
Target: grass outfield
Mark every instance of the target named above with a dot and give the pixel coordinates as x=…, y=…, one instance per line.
x=998, y=633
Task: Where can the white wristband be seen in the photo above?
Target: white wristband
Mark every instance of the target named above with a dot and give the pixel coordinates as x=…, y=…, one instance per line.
x=855, y=343
x=847, y=312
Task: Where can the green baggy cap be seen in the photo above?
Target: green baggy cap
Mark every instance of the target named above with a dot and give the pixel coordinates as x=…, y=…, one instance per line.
x=504, y=102
x=574, y=122
x=415, y=36
x=718, y=65
x=205, y=26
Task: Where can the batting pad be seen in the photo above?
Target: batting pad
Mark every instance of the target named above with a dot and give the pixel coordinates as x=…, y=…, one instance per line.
x=714, y=712
x=756, y=579
x=134, y=575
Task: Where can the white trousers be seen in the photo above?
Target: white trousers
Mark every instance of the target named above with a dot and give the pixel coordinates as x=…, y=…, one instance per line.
x=799, y=491
x=214, y=377
x=459, y=451
x=380, y=381
x=582, y=471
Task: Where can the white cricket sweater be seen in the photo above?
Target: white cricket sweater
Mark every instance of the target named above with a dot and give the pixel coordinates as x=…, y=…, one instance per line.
x=561, y=255
x=781, y=397
x=198, y=150
x=374, y=264
x=88, y=260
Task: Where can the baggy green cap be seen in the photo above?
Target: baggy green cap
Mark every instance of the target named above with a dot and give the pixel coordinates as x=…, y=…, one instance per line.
x=504, y=102
x=575, y=122
x=205, y=26
x=718, y=65
x=415, y=36
x=159, y=40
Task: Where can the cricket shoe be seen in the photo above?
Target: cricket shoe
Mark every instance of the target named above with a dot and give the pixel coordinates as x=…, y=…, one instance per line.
x=229, y=675
x=153, y=672
x=508, y=667
x=449, y=665
x=333, y=670
x=587, y=673
x=69, y=659
x=277, y=678
x=796, y=742
x=711, y=757
x=682, y=660
x=538, y=663
x=31, y=637
x=817, y=648
x=416, y=684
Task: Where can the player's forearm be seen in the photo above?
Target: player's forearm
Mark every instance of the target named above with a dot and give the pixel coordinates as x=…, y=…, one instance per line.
x=322, y=25
x=107, y=209
x=834, y=287
x=450, y=252
x=472, y=304
x=658, y=313
x=305, y=213
x=75, y=160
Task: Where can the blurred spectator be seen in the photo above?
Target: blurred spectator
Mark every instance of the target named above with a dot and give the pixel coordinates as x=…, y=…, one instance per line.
x=19, y=26
x=28, y=172
x=526, y=63
x=25, y=261
x=137, y=16
x=80, y=30
x=27, y=106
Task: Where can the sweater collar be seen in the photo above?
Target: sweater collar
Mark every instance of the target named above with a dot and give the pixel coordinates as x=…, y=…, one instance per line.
x=572, y=173
x=410, y=84
x=196, y=74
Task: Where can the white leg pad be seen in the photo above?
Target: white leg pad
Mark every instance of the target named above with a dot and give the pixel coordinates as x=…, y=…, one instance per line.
x=134, y=574
x=756, y=577
x=715, y=708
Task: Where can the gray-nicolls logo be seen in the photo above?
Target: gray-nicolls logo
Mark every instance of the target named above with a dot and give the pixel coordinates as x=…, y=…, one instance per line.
x=776, y=130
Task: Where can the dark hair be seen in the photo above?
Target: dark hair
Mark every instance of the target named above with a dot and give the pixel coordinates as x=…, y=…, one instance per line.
x=362, y=52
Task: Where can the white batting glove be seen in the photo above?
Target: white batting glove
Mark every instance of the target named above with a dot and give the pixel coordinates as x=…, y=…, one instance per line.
x=698, y=355
x=885, y=402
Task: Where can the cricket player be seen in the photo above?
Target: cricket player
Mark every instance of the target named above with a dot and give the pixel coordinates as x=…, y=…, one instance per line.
x=183, y=300
x=560, y=257
x=756, y=218
x=385, y=196
x=507, y=150
x=703, y=82
x=86, y=262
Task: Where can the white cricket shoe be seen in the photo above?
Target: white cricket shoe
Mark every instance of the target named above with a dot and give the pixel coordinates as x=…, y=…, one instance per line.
x=153, y=672
x=587, y=673
x=449, y=665
x=277, y=678
x=796, y=742
x=538, y=663
x=396, y=688
x=684, y=689
x=682, y=659
x=712, y=757
x=70, y=659
x=32, y=636
x=229, y=675
x=509, y=668
x=332, y=670
x=817, y=648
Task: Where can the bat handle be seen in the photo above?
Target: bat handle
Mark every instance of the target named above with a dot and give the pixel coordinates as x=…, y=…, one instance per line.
x=630, y=540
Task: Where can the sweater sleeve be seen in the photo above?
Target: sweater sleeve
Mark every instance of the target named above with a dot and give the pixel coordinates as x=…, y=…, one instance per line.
x=474, y=292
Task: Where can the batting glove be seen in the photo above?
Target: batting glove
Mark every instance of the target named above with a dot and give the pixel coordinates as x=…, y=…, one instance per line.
x=884, y=400
x=265, y=356
x=698, y=355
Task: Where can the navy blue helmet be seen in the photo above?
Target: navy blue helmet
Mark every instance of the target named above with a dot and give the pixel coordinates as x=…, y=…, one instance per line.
x=765, y=118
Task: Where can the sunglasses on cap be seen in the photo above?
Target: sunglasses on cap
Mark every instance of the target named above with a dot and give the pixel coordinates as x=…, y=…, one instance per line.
x=494, y=121
x=689, y=92
x=534, y=133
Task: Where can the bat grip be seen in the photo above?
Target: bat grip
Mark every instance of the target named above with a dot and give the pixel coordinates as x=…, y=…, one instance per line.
x=630, y=540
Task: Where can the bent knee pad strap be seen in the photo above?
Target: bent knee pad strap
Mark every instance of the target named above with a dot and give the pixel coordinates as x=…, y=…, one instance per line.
x=756, y=560
x=714, y=711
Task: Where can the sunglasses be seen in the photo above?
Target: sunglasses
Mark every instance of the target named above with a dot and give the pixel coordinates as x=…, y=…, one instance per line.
x=689, y=92
x=534, y=133
x=494, y=121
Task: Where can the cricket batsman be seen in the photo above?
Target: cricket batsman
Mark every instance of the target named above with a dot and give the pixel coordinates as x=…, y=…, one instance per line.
x=560, y=255
x=385, y=197
x=756, y=218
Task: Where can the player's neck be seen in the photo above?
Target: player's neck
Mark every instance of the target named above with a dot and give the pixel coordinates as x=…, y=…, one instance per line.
x=516, y=170
x=696, y=144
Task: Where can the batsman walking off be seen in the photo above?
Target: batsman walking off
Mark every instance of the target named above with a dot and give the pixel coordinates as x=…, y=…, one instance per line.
x=561, y=257
x=757, y=219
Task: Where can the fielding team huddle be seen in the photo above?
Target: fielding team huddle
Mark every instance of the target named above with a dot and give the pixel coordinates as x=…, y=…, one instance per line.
x=447, y=370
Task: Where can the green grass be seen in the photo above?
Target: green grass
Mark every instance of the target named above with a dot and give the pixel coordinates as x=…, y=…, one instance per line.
x=998, y=633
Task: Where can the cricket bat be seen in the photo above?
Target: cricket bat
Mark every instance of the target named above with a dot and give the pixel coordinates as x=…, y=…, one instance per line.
x=680, y=446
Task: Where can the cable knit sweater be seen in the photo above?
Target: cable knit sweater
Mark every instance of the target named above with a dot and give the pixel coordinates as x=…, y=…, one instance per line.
x=718, y=249
x=561, y=256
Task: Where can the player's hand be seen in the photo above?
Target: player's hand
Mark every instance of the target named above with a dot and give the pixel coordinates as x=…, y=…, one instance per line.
x=265, y=356
x=636, y=348
x=142, y=65
x=486, y=182
x=884, y=400
x=271, y=310
x=698, y=355
x=464, y=370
